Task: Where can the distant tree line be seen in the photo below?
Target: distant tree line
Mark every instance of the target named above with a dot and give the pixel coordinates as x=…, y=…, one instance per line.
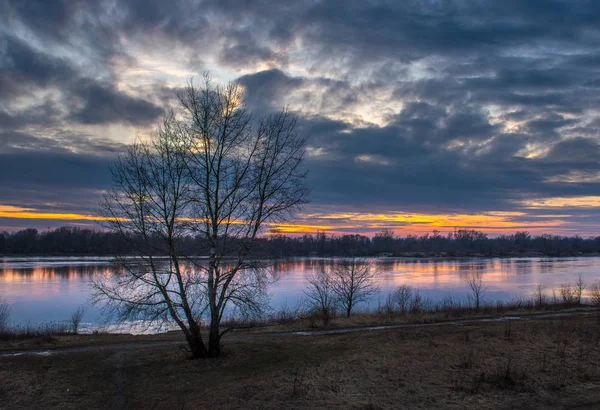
x=82, y=241
x=460, y=242
x=65, y=240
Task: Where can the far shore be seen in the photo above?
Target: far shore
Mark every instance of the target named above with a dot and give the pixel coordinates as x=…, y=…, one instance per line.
x=415, y=255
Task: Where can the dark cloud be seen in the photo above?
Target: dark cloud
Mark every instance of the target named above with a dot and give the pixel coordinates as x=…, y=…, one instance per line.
x=52, y=170
x=27, y=70
x=65, y=173
x=45, y=114
x=264, y=89
x=575, y=150
x=549, y=125
x=24, y=68
x=59, y=142
x=49, y=17
x=102, y=104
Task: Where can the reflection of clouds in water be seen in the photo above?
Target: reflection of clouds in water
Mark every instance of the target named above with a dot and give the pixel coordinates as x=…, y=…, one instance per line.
x=42, y=293
x=52, y=262
x=52, y=273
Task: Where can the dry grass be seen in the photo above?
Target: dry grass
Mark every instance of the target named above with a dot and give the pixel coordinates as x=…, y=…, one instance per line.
x=551, y=363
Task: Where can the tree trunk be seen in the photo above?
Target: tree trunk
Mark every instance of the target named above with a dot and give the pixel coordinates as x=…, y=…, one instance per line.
x=325, y=312
x=197, y=347
x=214, y=339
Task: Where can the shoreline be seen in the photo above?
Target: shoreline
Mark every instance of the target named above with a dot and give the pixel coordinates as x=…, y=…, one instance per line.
x=308, y=325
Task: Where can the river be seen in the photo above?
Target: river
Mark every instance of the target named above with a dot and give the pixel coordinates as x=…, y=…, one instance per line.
x=49, y=289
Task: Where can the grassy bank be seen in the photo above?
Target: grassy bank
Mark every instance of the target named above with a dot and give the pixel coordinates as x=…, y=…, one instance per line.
x=545, y=363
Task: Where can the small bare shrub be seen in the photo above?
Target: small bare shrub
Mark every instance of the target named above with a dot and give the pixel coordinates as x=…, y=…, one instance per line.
x=353, y=281
x=402, y=296
x=468, y=358
x=578, y=289
x=388, y=307
x=594, y=293
x=4, y=313
x=286, y=315
x=506, y=377
x=477, y=287
x=319, y=292
x=298, y=385
x=539, y=296
x=567, y=294
x=416, y=304
x=76, y=318
x=554, y=297
x=44, y=331
x=508, y=329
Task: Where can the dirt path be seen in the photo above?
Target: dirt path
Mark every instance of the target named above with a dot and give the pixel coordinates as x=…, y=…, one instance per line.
x=145, y=345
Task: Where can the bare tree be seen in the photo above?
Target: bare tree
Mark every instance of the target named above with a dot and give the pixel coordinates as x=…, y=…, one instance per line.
x=353, y=280
x=215, y=173
x=319, y=292
x=477, y=288
x=4, y=313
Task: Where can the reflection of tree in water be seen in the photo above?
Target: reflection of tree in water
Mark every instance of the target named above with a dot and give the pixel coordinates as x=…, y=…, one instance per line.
x=548, y=265
x=473, y=266
x=517, y=266
x=523, y=267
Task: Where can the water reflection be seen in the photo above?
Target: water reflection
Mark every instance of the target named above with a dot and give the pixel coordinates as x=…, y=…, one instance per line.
x=50, y=289
x=52, y=273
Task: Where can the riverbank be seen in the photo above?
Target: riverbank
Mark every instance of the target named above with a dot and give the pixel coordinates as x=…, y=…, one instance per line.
x=543, y=362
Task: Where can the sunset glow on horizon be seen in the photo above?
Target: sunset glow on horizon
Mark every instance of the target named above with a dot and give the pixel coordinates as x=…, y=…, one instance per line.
x=401, y=223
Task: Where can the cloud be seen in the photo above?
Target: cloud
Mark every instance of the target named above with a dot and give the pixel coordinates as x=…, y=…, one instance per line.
x=450, y=107
x=29, y=71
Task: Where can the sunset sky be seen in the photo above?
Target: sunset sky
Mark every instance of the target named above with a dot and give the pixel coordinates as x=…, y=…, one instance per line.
x=420, y=115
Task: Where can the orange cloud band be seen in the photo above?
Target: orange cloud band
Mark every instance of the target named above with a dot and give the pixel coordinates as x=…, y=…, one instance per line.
x=496, y=222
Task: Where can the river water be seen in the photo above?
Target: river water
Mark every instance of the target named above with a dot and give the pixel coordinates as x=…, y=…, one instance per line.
x=46, y=289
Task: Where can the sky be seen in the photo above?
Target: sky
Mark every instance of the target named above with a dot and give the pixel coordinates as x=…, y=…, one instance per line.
x=420, y=115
